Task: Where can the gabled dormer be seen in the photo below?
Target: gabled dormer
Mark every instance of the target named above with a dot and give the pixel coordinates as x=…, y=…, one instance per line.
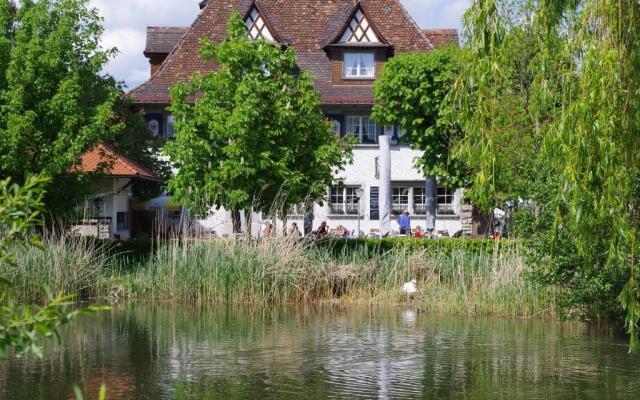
x=358, y=51
x=257, y=26
x=359, y=30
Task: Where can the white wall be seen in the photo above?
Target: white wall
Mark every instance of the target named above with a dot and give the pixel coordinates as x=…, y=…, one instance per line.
x=362, y=172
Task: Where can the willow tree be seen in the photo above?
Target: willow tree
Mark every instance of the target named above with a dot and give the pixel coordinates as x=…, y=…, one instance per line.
x=587, y=91
x=251, y=134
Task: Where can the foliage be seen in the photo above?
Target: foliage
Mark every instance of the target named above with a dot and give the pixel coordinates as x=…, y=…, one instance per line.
x=54, y=103
x=256, y=132
x=20, y=208
x=585, y=75
x=410, y=94
x=133, y=139
x=428, y=247
x=24, y=327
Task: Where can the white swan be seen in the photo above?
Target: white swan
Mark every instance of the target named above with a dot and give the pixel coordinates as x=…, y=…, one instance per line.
x=410, y=288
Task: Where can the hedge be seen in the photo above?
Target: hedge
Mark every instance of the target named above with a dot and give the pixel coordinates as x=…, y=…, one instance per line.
x=443, y=246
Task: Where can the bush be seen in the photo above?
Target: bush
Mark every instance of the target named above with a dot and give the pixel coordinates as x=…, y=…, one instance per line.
x=440, y=247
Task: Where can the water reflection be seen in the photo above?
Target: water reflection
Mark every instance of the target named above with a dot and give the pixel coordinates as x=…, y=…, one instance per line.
x=170, y=352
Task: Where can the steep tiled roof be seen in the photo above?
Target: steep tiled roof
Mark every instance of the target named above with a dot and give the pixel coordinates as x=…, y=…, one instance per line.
x=306, y=25
x=442, y=37
x=161, y=40
x=104, y=159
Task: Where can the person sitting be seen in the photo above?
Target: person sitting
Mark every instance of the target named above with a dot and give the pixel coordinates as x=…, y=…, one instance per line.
x=419, y=234
x=405, y=224
x=294, y=231
x=268, y=229
x=323, y=231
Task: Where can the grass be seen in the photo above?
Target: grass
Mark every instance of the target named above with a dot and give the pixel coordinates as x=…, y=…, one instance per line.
x=280, y=270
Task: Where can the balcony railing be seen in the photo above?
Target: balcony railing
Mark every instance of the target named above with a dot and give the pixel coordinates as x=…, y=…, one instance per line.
x=342, y=208
x=446, y=209
x=399, y=208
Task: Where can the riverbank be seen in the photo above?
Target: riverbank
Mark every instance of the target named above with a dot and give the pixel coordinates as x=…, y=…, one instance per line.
x=454, y=276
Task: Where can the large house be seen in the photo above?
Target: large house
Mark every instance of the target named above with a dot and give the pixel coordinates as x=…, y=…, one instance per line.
x=344, y=44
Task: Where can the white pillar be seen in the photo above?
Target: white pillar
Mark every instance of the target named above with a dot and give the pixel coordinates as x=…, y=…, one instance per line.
x=385, y=185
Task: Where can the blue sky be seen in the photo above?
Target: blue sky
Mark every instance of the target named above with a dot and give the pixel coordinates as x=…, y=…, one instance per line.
x=126, y=22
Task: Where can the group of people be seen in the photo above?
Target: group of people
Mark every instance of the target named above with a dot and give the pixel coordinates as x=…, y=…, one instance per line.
x=341, y=231
x=405, y=226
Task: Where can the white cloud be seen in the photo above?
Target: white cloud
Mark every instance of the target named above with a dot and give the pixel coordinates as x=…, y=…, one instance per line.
x=126, y=22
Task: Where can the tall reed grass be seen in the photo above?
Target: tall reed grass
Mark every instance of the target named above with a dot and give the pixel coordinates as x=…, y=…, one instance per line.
x=282, y=270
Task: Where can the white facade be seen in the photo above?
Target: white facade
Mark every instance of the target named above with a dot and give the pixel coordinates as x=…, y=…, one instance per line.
x=363, y=172
x=107, y=212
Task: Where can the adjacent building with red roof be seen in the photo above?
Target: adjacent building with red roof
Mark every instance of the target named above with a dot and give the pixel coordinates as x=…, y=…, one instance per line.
x=344, y=44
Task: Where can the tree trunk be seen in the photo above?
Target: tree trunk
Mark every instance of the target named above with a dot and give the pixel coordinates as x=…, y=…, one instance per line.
x=235, y=219
x=431, y=202
x=248, y=220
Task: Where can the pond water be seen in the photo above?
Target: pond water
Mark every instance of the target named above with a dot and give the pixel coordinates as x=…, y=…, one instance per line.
x=166, y=351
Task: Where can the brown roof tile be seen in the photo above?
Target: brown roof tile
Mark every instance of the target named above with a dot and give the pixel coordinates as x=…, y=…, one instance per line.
x=104, y=159
x=161, y=40
x=306, y=25
x=442, y=37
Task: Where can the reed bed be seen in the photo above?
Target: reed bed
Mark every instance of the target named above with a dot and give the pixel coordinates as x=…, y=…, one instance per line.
x=281, y=270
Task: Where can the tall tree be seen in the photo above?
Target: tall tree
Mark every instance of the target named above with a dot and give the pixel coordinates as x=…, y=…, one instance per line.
x=255, y=133
x=587, y=84
x=54, y=103
x=410, y=93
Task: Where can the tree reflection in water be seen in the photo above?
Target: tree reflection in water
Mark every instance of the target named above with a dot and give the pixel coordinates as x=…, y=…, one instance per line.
x=166, y=351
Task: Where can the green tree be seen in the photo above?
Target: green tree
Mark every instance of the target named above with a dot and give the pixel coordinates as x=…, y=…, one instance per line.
x=54, y=103
x=410, y=93
x=587, y=79
x=255, y=134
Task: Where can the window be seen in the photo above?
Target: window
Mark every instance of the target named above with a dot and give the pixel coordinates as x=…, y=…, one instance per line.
x=171, y=134
x=335, y=127
x=344, y=200
x=256, y=27
x=419, y=201
x=400, y=200
x=445, y=201
x=359, y=65
x=154, y=127
x=359, y=30
x=122, y=220
x=363, y=128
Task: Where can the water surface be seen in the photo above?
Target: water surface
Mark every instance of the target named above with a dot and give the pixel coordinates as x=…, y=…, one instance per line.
x=166, y=351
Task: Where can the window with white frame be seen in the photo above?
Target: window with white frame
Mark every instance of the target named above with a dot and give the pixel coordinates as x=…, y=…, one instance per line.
x=359, y=65
x=171, y=133
x=335, y=127
x=445, y=198
x=344, y=200
x=419, y=201
x=363, y=128
x=400, y=199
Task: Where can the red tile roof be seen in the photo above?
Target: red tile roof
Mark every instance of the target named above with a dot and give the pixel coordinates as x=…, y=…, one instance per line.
x=104, y=159
x=161, y=40
x=442, y=37
x=306, y=25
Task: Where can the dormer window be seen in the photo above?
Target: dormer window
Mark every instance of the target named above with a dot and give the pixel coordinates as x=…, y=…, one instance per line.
x=359, y=30
x=359, y=65
x=256, y=26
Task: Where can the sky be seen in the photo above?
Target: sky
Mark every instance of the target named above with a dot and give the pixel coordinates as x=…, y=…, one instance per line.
x=126, y=21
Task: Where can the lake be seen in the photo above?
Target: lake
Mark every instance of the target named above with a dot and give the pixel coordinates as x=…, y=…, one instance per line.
x=168, y=351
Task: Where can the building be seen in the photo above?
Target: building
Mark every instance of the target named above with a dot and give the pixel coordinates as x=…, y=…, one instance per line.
x=108, y=212
x=344, y=44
